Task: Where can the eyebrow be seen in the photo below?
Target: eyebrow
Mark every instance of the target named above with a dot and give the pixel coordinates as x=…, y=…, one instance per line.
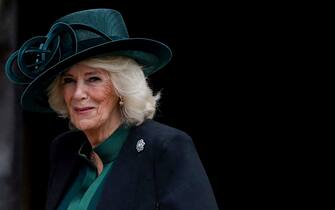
x=86, y=74
x=93, y=73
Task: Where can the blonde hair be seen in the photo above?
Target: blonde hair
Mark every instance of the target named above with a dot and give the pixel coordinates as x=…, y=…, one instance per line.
x=129, y=82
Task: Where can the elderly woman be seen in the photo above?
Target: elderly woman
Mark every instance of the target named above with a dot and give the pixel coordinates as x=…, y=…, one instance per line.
x=115, y=157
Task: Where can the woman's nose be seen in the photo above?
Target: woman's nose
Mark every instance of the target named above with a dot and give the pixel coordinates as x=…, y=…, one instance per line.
x=80, y=92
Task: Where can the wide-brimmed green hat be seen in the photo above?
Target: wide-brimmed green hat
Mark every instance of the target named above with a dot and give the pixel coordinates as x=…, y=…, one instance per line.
x=72, y=38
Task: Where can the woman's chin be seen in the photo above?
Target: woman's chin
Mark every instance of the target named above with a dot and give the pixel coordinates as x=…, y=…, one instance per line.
x=84, y=125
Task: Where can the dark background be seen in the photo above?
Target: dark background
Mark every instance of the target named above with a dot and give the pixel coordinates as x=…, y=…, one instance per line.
x=201, y=87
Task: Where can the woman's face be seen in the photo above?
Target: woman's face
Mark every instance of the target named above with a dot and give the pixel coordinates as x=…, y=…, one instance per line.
x=90, y=98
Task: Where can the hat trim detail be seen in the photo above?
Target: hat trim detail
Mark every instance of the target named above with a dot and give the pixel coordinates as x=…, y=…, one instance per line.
x=44, y=51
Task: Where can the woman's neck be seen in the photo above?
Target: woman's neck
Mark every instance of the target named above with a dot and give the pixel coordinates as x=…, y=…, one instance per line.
x=98, y=135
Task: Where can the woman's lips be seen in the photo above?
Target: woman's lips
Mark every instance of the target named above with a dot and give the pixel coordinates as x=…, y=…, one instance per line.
x=83, y=110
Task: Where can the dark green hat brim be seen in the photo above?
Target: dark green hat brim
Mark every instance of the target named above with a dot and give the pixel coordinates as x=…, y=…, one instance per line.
x=150, y=54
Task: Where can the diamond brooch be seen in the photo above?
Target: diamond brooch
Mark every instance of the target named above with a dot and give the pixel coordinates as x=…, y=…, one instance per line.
x=140, y=145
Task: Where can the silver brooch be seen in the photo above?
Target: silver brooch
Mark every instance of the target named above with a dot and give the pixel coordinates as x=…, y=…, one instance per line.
x=140, y=145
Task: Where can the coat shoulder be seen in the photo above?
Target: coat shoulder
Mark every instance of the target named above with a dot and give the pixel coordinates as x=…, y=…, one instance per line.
x=159, y=130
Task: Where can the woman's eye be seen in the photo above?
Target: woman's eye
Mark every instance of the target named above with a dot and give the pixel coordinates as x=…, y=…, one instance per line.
x=67, y=80
x=94, y=79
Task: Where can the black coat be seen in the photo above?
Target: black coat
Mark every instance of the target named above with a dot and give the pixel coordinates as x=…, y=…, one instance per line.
x=166, y=175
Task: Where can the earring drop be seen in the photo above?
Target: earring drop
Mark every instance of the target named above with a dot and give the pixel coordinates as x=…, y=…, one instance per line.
x=121, y=102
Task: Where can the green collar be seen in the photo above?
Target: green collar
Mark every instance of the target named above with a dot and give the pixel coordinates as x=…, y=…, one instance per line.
x=109, y=149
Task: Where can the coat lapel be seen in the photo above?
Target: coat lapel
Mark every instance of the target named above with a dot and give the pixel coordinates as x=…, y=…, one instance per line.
x=63, y=175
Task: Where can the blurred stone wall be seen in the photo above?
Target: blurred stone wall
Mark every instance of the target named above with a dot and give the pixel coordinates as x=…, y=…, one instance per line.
x=9, y=177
